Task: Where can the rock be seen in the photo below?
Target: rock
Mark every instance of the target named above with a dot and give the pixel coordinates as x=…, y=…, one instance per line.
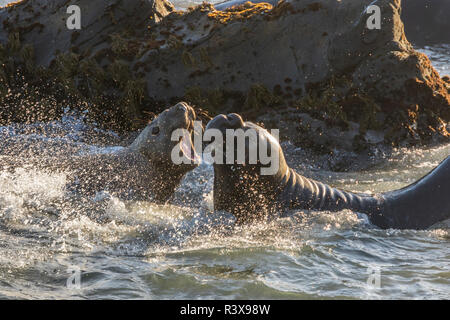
x=42, y=24
x=427, y=21
x=228, y=4
x=87, y=68
x=317, y=56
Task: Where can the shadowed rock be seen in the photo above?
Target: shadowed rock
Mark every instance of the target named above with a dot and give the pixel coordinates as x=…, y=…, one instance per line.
x=427, y=21
x=243, y=58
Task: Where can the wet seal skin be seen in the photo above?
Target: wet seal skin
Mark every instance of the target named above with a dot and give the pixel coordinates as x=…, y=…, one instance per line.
x=244, y=192
x=144, y=169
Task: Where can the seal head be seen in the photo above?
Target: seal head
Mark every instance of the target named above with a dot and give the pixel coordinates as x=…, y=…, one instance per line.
x=240, y=188
x=155, y=142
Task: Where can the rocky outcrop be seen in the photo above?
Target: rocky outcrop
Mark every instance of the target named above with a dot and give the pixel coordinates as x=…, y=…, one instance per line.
x=87, y=68
x=427, y=21
x=316, y=56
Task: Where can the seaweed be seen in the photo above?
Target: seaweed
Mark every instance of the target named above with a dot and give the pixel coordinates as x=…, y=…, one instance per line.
x=27, y=56
x=205, y=58
x=212, y=100
x=174, y=43
x=241, y=12
x=14, y=44
x=188, y=59
x=258, y=97
x=119, y=72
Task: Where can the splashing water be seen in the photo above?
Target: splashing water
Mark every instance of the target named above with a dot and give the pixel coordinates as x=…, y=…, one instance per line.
x=136, y=249
x=439, y=56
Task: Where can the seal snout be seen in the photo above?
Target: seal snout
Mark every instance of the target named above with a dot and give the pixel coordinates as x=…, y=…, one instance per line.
x=184, y=111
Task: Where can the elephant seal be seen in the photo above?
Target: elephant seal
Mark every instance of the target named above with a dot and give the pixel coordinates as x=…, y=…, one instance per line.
x=241, y=190
x=231, y=3
x=142, y=171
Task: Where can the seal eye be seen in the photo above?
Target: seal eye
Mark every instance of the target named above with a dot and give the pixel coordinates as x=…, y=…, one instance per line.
x=155, y=131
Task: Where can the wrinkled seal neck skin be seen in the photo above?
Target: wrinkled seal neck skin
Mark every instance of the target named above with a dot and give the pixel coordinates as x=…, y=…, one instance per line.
x=241, y=190
x=417, y=206
x=303, y=193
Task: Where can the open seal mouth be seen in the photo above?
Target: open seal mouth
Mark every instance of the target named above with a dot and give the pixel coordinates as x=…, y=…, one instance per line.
x=194, y=128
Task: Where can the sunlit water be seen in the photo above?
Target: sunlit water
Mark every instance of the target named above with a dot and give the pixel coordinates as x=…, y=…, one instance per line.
x=129, y=249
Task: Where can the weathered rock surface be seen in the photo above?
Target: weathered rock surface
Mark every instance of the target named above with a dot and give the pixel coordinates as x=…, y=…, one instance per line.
x=91, y=66
x=317, y=56
x=427, y=21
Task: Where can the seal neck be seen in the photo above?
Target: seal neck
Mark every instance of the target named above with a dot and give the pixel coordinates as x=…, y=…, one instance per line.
x=303, y=193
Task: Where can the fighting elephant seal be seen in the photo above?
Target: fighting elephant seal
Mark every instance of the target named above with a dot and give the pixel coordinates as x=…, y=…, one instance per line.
x=242, y=190
x=143, y=170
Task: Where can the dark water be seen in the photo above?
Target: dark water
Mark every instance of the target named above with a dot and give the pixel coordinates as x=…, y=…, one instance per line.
x=141, y=250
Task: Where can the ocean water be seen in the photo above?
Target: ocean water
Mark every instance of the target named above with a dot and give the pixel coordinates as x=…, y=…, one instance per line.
x=130, y=249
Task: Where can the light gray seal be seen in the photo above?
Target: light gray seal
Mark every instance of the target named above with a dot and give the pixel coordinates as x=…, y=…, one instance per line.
x=144, y=170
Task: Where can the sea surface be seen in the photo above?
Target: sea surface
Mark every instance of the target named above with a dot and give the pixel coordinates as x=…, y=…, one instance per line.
x=54, y=245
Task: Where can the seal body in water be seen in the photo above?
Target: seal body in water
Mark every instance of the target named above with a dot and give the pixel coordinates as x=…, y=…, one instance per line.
x=242, y=190
x=142, y=171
